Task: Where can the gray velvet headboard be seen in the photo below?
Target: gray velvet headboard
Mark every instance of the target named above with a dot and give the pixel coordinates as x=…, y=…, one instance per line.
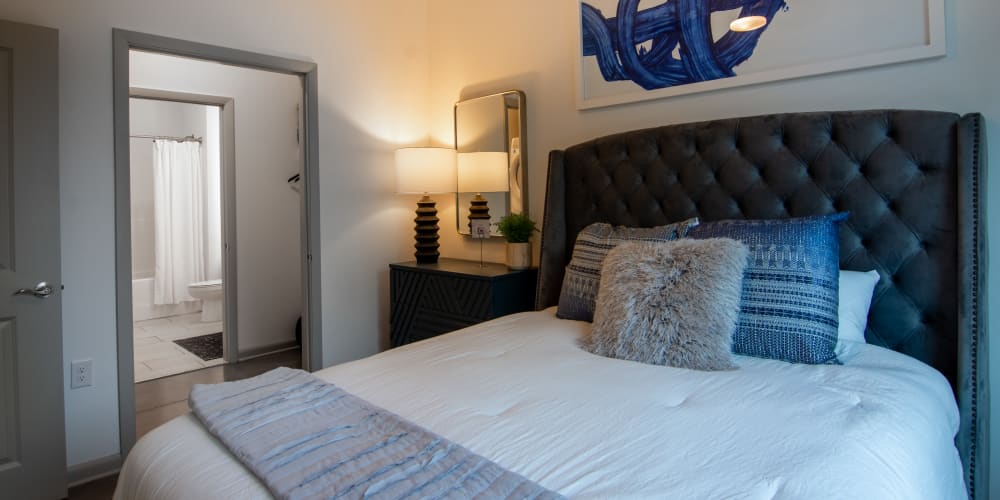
x=910, y=180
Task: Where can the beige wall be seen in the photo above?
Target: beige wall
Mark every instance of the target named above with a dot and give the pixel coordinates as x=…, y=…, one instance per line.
x=372, y=59
x=473, y=53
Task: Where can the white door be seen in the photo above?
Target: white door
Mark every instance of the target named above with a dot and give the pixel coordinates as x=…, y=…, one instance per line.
x=32, y=434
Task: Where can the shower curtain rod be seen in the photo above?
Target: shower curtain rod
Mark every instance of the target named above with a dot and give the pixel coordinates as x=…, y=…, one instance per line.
x=190, y=138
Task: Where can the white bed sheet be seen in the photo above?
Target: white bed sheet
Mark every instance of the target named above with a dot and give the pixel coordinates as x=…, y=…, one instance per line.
x=519, y=391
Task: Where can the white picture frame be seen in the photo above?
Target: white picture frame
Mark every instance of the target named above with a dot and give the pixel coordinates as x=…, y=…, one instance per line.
x=871, y=48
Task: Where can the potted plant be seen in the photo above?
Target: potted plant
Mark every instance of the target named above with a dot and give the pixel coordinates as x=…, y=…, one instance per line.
x=517, y=229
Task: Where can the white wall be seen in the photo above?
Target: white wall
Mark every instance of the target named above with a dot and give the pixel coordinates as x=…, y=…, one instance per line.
x=483, y=47
x=372, y=61
x=267, y=248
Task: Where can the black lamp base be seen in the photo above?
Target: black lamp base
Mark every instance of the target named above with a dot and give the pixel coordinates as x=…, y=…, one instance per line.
x=426, y=232
x=478, y=209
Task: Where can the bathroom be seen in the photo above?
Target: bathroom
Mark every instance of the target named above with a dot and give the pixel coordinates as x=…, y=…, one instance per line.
x=215, y=214
x=177, y=287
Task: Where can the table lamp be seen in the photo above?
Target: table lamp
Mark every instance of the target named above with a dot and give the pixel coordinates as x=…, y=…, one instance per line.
x=482, y=172
x=425, y=171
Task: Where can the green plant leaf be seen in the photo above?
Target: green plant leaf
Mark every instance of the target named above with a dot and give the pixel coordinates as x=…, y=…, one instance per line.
x=516, y=227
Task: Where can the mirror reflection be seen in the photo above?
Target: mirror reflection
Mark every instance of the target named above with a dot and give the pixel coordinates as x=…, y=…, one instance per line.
x=489, y=135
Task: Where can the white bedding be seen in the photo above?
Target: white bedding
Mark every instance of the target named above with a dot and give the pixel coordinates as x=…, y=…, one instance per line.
x=519, y=391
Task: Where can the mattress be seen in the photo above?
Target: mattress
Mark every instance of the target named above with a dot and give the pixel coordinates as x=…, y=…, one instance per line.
x=519, y=391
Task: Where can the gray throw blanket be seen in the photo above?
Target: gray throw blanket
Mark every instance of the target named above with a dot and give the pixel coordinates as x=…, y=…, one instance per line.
x=305, y=438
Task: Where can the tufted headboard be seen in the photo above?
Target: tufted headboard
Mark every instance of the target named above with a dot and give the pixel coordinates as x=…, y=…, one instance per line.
x=910, y=180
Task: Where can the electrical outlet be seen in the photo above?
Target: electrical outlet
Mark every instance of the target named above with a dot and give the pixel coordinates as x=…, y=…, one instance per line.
x=81, y=373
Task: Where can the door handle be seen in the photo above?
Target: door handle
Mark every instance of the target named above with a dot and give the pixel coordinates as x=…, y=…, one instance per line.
x=42, y=290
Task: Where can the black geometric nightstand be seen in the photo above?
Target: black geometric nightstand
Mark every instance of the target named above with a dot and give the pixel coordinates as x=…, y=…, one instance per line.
x=431, y=299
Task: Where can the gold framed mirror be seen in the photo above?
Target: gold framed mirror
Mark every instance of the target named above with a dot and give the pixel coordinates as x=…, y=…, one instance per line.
x=485, y=127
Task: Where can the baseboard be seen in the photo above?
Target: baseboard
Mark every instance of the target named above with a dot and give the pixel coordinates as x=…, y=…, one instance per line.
x=94, y=469
x=269, y=349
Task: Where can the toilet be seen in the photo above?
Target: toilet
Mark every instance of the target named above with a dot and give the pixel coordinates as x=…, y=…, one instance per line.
x=210, y=293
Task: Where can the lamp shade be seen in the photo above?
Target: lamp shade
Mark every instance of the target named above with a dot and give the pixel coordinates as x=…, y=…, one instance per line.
x=425, y=170
x=482, y=172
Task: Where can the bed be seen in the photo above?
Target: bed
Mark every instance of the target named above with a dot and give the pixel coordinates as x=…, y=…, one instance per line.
x=899, y=419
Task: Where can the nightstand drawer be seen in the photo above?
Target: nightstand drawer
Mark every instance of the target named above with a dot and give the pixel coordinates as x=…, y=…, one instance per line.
x=428, y=300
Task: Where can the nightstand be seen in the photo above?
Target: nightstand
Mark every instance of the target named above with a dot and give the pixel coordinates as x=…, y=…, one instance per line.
x=431, y=299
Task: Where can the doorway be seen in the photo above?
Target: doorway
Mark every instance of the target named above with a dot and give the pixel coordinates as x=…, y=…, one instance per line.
x=181, y=172
x=304, y=241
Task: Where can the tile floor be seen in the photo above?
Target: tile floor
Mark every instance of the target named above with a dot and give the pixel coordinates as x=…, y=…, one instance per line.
x=156, y=355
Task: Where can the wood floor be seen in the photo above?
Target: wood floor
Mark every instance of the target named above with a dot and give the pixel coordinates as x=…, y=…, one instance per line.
x=163, y=399
x=160, y=400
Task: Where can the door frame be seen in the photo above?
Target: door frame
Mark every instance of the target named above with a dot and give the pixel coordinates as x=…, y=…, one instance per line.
x=227, y=139
x=122, y=42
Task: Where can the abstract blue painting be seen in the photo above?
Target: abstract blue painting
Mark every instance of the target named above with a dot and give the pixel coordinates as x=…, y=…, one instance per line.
x=671, y=43
x=635, y=50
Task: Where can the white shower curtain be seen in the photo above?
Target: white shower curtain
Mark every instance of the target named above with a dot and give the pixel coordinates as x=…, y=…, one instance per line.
x=178, y=205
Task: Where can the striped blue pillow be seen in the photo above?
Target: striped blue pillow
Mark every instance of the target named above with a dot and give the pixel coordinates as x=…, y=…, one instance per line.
x=578, y=295
x=788, y=310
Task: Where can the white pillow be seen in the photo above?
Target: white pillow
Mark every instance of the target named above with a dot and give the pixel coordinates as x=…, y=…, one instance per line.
x=855, y=298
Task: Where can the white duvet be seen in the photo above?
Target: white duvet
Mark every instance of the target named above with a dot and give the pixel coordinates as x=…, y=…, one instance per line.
x=519, y=391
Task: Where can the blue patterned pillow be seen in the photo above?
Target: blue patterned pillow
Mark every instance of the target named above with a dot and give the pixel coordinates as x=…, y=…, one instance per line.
x=578, y=295
x=788, y=309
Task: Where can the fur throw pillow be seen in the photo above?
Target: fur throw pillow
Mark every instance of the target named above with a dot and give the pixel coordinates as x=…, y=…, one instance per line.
x=670, y=303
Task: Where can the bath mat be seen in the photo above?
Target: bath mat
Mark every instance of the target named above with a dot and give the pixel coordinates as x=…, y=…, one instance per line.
x=206, y=347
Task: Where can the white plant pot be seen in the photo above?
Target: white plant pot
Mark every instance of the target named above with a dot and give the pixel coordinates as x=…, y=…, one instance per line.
x=519, y=255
